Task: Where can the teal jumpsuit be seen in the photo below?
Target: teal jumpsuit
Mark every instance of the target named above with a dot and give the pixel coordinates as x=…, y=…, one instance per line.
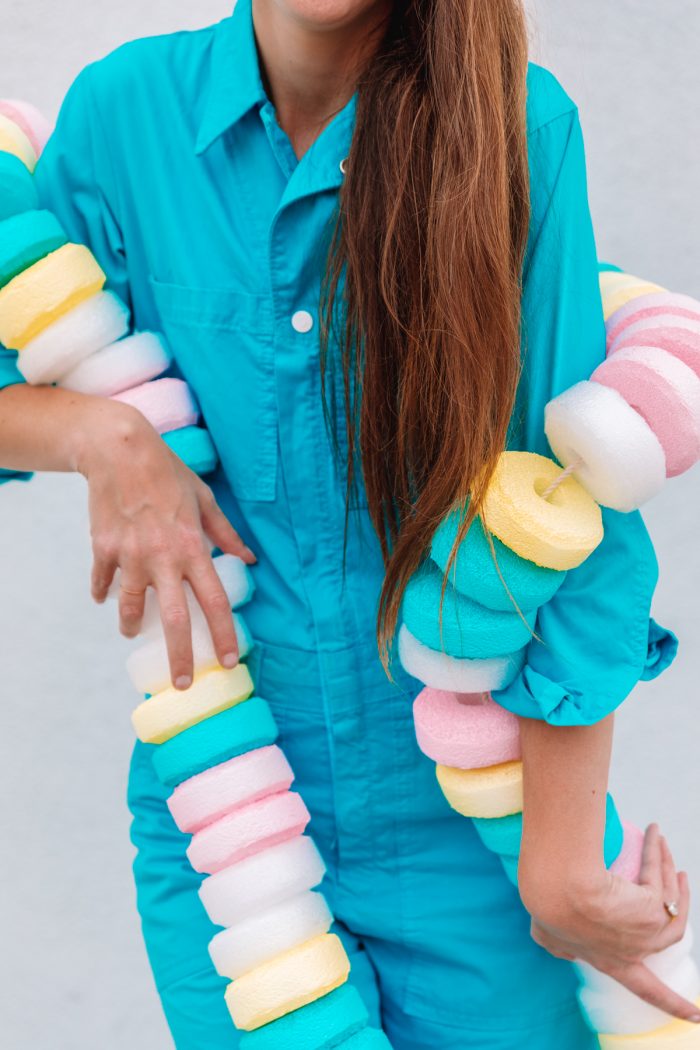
x=169, y=163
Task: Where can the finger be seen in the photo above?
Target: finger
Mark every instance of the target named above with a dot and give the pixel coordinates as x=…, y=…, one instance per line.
x=220, y=530
x=132, y=597
x=650, y=872
x=103, y=570
x=640, y=980
x=668, y=872
x=216, y=607
x=674, y=929
x=177, y=629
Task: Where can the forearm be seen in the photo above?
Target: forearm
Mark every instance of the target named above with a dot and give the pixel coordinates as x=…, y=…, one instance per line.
x=565, y=773
x=48, y=428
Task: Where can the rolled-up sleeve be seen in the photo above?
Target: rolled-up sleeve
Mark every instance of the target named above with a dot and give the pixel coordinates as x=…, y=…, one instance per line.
x=596, y=638
x=75, y=180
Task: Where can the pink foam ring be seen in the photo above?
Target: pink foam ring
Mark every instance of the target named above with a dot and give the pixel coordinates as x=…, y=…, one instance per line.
x=217, y=791
x=465, y=730
x=27, y=117
x=248, y=830
x=665, y=392
x=647, y=306
x=682, y=343
x=166, y=403
x=628, y=864
x=646, y=324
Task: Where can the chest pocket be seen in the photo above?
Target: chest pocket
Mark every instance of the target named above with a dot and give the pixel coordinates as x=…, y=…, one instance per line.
x=222, y=343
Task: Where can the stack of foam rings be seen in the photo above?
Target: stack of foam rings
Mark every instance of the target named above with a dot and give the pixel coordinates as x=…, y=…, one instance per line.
x=215, y=742
x=55, y=312
x=616, y=437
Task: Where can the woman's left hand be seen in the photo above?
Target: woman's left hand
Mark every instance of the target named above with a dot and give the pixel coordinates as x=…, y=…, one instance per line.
x=614, y=924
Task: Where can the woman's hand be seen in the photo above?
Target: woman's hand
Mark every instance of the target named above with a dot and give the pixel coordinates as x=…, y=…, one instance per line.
x=615, y=924
x=153, y=518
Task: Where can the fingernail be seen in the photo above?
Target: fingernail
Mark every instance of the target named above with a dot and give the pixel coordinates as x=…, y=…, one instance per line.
x=183, y=682
x=230, y=660
x=250, y=553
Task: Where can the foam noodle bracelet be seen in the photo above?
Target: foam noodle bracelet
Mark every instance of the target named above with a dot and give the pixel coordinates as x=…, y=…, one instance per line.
x=216, y=748
x=55, y=313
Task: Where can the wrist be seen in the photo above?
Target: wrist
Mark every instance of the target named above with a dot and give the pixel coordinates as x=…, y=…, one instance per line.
x=559, y=887
x=107, y=429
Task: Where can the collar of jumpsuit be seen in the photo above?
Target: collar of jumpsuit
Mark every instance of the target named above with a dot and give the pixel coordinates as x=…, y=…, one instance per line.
x=236, y=87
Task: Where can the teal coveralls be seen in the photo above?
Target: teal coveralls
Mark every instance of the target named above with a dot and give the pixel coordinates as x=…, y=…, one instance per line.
x=169, y=163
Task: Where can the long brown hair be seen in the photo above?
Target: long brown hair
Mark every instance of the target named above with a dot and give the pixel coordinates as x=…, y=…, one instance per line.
x=426, y=261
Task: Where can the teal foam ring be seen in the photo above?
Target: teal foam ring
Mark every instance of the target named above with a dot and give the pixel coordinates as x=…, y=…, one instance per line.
x=369, y=1039
x=474, y=573
x=469, y=630
x=26, y=239
x=194, y=447
x=606, y=267
x=242, y=728
x=17, y=188
x=327, y=1023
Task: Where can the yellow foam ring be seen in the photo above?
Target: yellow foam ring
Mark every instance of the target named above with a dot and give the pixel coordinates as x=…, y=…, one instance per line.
x=13, y=140
x=171, y=711
x=45, y=291
x=619, y=298
x=557, y=533
x=678, y=1035
x=494, y=791
x=611, y=280
x=288, y=982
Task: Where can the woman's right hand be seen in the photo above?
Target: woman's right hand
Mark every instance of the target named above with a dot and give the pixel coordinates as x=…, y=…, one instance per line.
x=155, y=520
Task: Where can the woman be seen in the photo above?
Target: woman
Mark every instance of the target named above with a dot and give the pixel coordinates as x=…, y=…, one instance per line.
x=205, y=170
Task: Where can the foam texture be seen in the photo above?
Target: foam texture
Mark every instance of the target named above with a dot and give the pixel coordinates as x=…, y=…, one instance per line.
x=149, y=667
x=120, y=365
x=255, y=941
x=238, y=782
x=47, y=290
x=84, y=330
x=368, y=1039
x=628, y=864
x=623, y=464
x=17, y=189
x=32, y=122
x=613, y=1009
x=511, y=579
x=559, y=532
x=195, y=448
x=442, y=671
x=13, y=140
x=224, y=736
x=290, y=981
x=235, y=577
x=665, y=392
x=618, y=298
x=262, y=881
x=679, y=1035
x=675, y=340
x=25, y=239
x=322, y=1025
x=458, y=625
x=248, y=830
x=167, y=404
x=465, y=731
x=653, y=305
x=638, y=328
x=172, y=711
x=496, y=791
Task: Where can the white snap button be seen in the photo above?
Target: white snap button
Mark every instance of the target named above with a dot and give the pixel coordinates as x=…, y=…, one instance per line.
x=343, y=164
x=302, y=321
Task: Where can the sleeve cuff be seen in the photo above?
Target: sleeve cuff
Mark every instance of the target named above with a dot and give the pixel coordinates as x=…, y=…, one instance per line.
x=568, y=703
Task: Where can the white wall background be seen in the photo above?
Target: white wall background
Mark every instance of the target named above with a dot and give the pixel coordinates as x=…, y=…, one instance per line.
x=72, y=969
